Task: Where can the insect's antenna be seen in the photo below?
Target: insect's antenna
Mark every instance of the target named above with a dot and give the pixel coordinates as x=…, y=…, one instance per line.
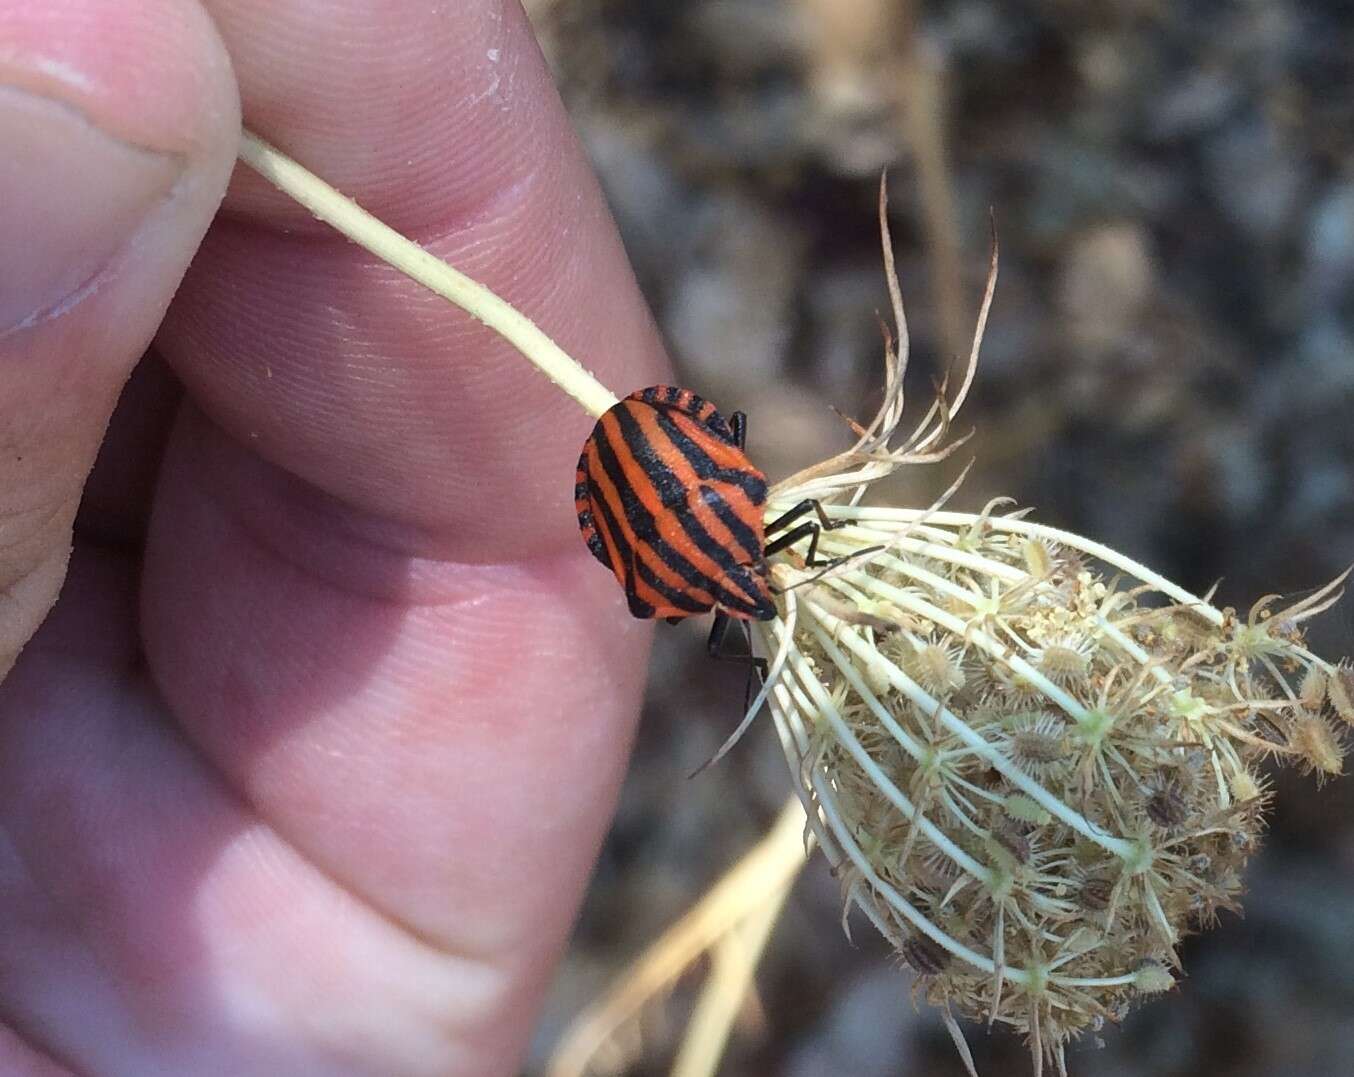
x=736, y=735
x=769, y=682
x=753, y=667
x=829, y=568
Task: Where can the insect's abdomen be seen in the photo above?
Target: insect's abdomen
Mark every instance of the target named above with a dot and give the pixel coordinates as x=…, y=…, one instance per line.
x=673, y=507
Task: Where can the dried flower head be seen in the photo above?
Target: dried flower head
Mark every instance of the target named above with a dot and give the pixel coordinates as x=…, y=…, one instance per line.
x=1034, y=759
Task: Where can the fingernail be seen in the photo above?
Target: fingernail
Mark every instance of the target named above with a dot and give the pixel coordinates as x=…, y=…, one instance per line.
x=71, y=197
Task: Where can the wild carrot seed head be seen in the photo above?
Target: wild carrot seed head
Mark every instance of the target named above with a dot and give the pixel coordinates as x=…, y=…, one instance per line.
x=1034, y=759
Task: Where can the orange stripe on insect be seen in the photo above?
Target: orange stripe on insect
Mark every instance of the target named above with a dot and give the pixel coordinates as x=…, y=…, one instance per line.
x=664, y=476
x=686, y=517
x=630, y=564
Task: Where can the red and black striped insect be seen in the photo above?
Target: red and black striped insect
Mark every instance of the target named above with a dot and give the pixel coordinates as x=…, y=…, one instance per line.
x=670, y=503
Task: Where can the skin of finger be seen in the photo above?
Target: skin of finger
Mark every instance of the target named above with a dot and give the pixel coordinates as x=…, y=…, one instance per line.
x=365, y=597
x=17, y=1059
x=115, y=507
x=560, y=857
x=408, y=647
x=343, y=372
x=175, y=932
x=124, y=75
x=461, y=734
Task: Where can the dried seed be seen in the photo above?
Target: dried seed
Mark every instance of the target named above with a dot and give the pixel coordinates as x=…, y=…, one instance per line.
x=1026, y=809
x=1096, y=893
x=1038, y=559
x=1151, y=977
x=1013, y=839
x=1315, y=741
x=1064, y=665
x=1167, y=806
x=1039, y=742
x=1340, y=691
x=1312, y=691
x=925, y=955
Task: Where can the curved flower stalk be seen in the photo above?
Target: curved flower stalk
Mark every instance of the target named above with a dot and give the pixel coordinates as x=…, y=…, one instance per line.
x=1031, y=761
x=726, y=930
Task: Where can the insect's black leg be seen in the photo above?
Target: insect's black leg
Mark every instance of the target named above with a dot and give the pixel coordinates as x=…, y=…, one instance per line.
x=738, y=422
x=758, y=668
x=718, y=630
x=718, y=633
x=826, y=522
x=714, y=646
x=785, y=519
x=808, y=530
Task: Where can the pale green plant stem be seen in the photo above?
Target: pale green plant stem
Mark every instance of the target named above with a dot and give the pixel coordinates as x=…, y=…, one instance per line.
x=909, y=744
x=1094, y=981
x=919, y=921
x=345, y=215
x=1279, y=679
x=964, y=783
x=1326, y=667
x=960, y=628
x=846, y=634
x=908, y=602
x=939, y=551
x=805, y=696
x=952, y=805
x=912, y=747
x=1158, y=914
x=836, y=541
x=842, y=731
x=1052, y=534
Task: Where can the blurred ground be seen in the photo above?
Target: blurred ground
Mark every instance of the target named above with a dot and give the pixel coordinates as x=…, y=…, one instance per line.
x=1169, y=369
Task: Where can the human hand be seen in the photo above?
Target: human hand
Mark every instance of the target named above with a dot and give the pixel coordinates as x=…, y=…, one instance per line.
x=305, y=772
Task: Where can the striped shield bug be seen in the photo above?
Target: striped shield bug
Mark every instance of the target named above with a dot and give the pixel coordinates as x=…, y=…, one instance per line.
x=670, y=503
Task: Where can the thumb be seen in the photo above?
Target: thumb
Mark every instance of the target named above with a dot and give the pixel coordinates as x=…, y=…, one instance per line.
x=118, y=122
